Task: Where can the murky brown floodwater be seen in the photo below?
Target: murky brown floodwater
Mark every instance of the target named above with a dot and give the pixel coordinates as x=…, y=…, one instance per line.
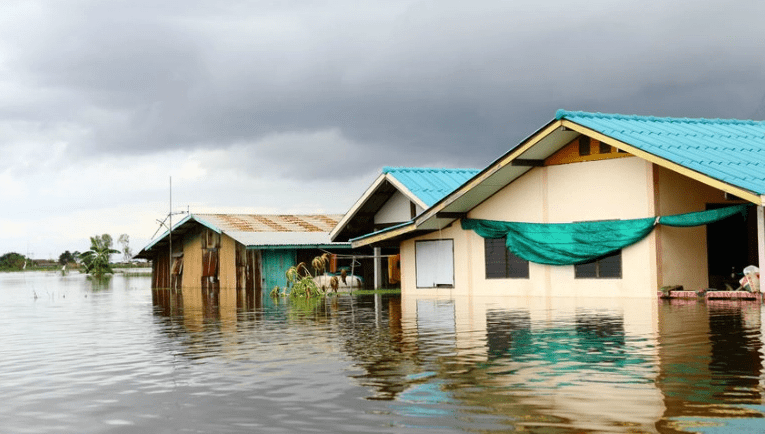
x=84, y=357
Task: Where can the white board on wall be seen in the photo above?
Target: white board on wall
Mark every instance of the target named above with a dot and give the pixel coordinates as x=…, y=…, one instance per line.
x=434, y=260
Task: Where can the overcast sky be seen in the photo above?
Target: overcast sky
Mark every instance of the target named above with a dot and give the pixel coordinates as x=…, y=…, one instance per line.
x=294, y=106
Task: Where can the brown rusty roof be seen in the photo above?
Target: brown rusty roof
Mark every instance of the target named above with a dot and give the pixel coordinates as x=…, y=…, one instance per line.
x=261, y=230
x=272, y=222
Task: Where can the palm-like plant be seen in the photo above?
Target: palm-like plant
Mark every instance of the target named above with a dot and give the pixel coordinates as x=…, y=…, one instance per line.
x=96, y=260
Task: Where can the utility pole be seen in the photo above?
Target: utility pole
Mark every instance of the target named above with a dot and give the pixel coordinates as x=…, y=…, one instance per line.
x=170, y=259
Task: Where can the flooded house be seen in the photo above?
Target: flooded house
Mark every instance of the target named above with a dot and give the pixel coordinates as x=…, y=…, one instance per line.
x=395, y=197
x=242, y=251
x=596, y=205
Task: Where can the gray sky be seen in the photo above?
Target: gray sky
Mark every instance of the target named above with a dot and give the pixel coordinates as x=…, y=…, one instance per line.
x=294, y=106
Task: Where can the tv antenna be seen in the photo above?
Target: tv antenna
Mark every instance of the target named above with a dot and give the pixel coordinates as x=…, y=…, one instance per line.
x=168, y=223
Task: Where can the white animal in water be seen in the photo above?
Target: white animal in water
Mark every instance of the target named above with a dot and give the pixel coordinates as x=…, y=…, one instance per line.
x=343, y=281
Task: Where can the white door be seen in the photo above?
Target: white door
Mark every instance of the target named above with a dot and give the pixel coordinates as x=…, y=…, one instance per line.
x=434, y=260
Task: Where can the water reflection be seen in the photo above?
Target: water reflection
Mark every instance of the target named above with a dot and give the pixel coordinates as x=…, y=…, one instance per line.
x=509, y=363
x=124, y=358
x=711, y=363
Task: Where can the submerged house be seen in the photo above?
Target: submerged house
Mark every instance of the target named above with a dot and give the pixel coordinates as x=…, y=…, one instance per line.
x=242, y=251
x=598, y=205
x=396, y=196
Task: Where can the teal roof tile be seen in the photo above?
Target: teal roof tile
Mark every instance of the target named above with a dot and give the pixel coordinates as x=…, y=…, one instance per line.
x=428, y=184
x=729, y=150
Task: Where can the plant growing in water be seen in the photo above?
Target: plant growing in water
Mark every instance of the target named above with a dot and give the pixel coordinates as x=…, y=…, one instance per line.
x=300, y=281
x=96, y=260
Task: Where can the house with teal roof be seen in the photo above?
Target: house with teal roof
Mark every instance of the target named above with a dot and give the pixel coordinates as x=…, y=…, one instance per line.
x=396, y=196
x=597, y=205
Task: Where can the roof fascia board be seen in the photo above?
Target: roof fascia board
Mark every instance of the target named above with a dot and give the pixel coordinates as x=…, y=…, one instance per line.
x=405, y=191
x=382, y=236
x=166, y=233
x=207, y=224
x=489, y=171
x=704, y=179
x=356, y=206
x=297, y=246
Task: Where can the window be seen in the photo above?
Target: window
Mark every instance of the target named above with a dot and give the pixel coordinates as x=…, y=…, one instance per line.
x=605, y=148
x=584, y=145
x=502, y=263
x=434, y=260
x=606, y=267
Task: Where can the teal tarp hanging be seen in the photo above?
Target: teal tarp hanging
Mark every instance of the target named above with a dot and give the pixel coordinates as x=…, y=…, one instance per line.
x=576, y=243
x=703, y=217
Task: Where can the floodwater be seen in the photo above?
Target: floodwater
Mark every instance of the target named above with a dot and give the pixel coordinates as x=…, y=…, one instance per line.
x=89, y=357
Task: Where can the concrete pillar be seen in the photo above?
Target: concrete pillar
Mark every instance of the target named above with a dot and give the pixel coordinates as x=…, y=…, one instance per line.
x=378, y=268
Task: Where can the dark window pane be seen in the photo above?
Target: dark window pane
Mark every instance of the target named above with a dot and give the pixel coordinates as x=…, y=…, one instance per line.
x=517, y=267
x=588, y=270
x=610, y=266
x=606, y=267
x=604, y=148
x=584, y=145
x=502, y=263
x=496, y=258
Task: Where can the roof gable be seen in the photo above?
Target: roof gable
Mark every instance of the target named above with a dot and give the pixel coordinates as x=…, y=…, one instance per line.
x=422, y=186
x=728, y=150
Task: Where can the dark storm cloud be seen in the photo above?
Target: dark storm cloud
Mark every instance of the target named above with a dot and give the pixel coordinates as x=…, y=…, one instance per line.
x=399, y=83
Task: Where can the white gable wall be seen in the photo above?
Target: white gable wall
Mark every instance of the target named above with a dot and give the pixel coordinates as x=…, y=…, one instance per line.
x=396, y=210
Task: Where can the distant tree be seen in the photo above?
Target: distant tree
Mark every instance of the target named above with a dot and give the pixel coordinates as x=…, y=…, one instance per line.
x=12, y=261
x=127, y=253
x=66, y=258
x=96, y=260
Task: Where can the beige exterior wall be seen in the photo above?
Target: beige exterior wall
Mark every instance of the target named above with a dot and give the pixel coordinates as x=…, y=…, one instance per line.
x=682, y=252
x=227, y=262
x=192, y=261
x=462, y=270
x=619, y=188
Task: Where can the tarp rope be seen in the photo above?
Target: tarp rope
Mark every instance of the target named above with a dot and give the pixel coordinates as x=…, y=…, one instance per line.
x=580, y=242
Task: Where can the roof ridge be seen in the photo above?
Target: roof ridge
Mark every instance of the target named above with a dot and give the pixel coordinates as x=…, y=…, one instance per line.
x=561, y=113
x=389, y=169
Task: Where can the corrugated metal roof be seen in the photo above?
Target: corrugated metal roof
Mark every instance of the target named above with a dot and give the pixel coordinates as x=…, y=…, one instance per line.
x=729, y=150
x=429, y=184
x=262, y=230
x=283, y=239
x=230, y=223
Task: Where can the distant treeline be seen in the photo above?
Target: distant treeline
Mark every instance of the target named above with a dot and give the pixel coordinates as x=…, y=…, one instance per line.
x=96, y=260
x=16, y=262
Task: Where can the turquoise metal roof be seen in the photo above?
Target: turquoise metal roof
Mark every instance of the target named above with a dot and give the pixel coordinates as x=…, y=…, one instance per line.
x=729, y=150
x=430, y=185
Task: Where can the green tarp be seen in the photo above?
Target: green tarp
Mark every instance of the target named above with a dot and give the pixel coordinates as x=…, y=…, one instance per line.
x=576, y=243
